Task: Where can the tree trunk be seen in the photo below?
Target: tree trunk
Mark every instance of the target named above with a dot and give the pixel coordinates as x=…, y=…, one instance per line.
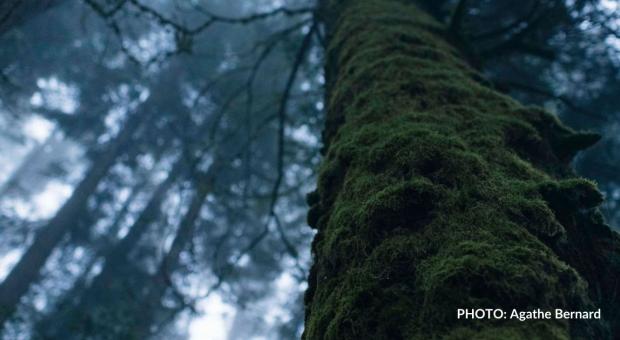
x=161, y=280
x=116, y=224
x=26, y=271
x=121, y=300
x=119, y=254
x=80, y=315
x=438, y=193
x=48, y=323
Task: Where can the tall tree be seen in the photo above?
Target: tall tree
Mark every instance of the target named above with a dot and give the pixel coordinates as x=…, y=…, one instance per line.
x=151, y=306
x=123, y=300
x=81, y=311
x=130, y=137
x=438, y=193
x=26, y=271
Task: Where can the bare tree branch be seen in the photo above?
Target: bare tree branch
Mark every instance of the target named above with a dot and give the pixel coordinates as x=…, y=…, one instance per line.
x=183, y=35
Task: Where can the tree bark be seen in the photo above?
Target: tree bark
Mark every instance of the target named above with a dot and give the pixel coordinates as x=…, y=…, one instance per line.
x=438, y=193
x=26, y=271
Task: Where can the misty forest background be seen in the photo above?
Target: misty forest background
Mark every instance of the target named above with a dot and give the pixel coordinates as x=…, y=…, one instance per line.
x=169, y=146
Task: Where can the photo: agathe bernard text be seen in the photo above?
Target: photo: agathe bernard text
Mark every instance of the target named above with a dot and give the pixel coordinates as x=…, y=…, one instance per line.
x=525, y=315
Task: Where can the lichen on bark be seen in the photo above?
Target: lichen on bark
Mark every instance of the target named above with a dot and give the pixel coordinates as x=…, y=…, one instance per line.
x=438, y=193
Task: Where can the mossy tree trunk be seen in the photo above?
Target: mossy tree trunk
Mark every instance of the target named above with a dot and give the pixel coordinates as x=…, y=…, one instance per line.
x=438, y=193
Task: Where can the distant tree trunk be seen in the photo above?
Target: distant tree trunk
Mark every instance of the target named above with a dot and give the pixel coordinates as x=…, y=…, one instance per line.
x=118, y=255
x=81, y=315
x=99, y=250
x=88, y=311
x=26, y=271
x=151, y=307
x=116, y=224
x=15, y=12
x=438, y=193
x=123, y=300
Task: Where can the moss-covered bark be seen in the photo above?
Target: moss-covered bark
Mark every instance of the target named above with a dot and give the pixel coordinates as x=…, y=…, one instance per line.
x=438, y=193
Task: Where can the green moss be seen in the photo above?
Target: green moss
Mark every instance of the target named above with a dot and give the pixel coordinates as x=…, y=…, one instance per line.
x=562, y=140
x=513, y=331
x=571, y=194
x=496, y=273
x=436, y=193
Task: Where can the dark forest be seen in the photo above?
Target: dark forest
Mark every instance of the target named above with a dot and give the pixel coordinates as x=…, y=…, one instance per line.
x=329, y=169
